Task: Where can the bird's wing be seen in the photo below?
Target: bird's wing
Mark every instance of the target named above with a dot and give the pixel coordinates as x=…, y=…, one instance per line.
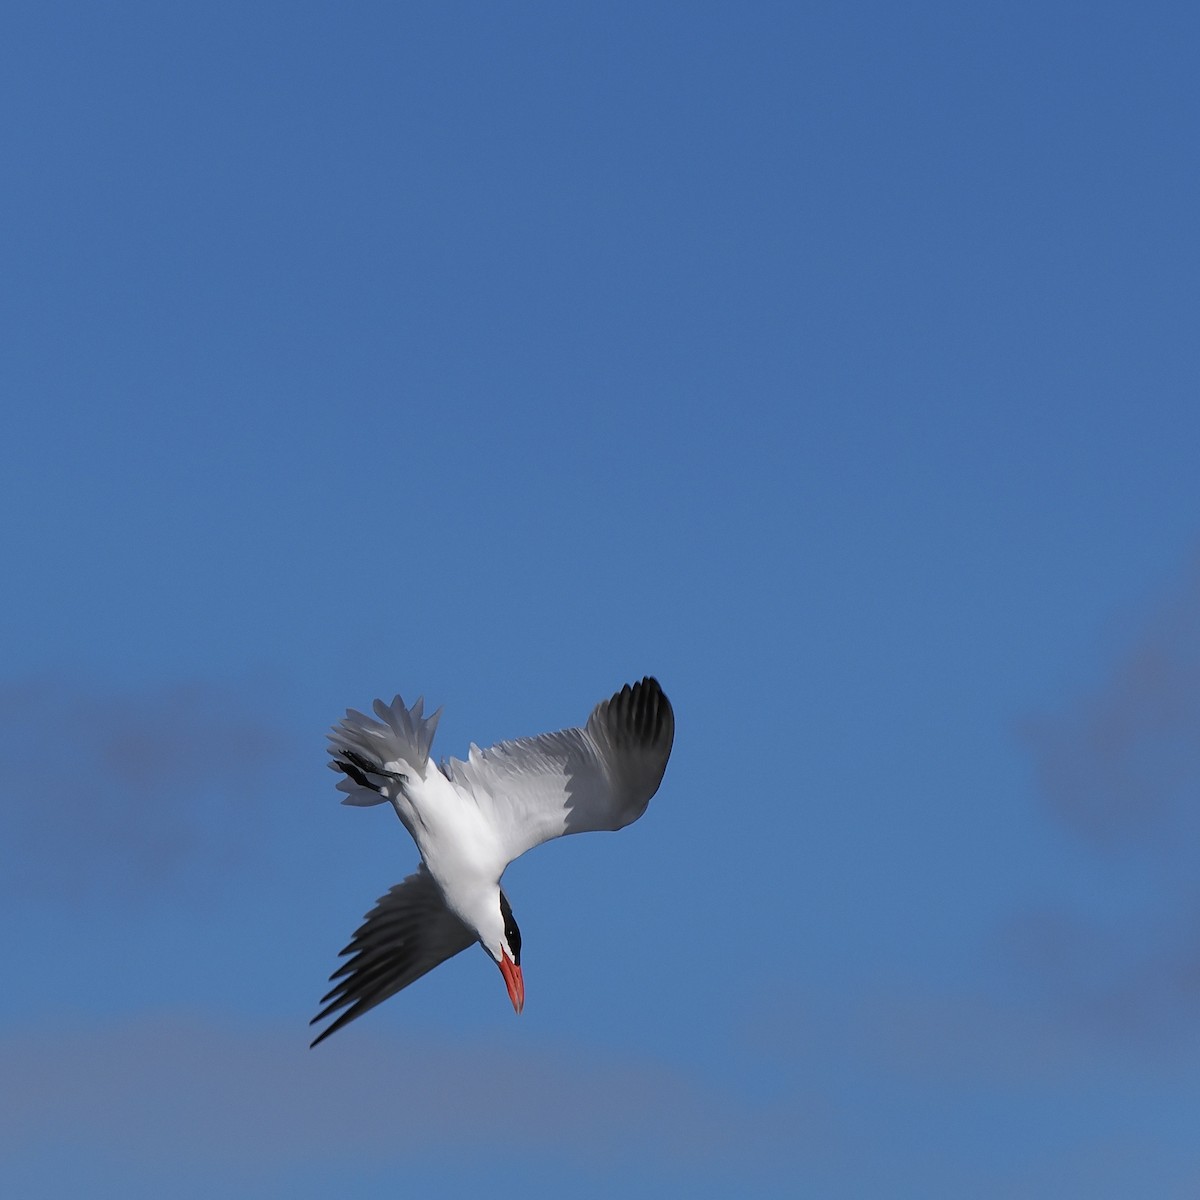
x=408, y=933
x=576, y=780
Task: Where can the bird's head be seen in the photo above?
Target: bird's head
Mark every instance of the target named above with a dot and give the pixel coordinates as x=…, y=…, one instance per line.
x=501, y=938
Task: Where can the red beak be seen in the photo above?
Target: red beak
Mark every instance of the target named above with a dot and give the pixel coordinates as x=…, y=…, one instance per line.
x=513, y=980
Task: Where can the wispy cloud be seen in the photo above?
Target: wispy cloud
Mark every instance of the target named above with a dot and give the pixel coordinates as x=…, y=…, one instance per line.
x=975, y=1088
x=1136, y=979
x=116, y=791
x=1121, y=764
x=1120, y=768
x=187, y=1089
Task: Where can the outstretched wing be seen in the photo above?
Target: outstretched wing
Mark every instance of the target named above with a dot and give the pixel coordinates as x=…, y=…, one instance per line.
x=408, y=933
x=576, y=780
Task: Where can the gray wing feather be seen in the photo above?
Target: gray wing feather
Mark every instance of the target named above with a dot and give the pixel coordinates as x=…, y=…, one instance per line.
x=576, y=780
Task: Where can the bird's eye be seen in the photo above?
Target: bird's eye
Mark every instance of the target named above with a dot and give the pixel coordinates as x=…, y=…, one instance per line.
x=512, y=935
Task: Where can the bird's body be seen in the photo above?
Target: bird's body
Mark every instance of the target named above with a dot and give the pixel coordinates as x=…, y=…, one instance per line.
x=458, y=844
x=471, y=818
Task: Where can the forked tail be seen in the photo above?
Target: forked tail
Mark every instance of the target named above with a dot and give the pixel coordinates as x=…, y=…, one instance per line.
x=376, y=757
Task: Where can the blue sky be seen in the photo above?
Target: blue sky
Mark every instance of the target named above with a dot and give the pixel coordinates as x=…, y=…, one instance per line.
x=837, y=364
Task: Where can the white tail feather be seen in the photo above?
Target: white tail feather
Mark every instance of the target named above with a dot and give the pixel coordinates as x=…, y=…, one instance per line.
x=377, y=756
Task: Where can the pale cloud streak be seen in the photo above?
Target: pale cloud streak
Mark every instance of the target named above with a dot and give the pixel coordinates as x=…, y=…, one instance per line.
x=184, y=1089
x=1120, y=768
x=1121, y=764
x=116, y=792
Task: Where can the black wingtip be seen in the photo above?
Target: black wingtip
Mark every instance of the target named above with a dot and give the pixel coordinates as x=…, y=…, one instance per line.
x=342, y=1019
x=645, y=710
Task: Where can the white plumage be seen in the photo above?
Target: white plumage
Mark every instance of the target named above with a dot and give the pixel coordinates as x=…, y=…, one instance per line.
x=471, y=819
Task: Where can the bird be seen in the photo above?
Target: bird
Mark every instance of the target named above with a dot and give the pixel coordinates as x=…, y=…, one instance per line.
x=470, y=819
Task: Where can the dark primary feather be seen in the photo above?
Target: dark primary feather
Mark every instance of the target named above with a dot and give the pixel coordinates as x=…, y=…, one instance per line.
x=408, y=933
x=636, y=727
x=639, y=717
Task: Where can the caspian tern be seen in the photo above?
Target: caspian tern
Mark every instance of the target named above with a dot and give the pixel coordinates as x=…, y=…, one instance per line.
x=471, y=819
